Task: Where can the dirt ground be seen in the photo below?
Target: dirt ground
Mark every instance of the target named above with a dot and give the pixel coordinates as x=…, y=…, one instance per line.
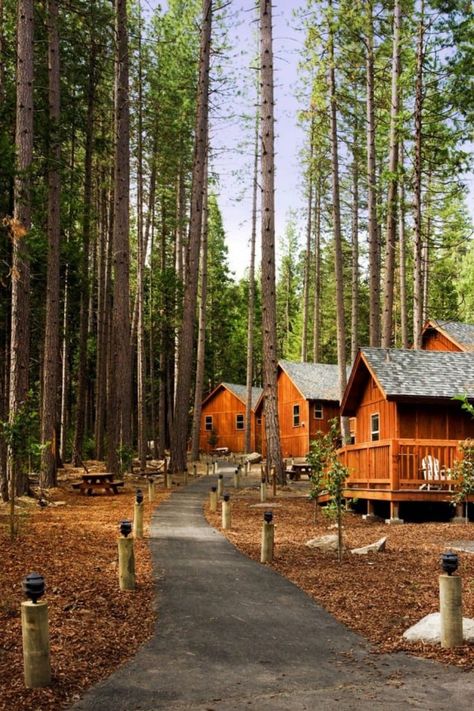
x=93, y=626
x=378, y=595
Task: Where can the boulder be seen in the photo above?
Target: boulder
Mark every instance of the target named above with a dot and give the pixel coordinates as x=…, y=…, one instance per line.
x=428, y=630
x=324, y=543
x=372, y=547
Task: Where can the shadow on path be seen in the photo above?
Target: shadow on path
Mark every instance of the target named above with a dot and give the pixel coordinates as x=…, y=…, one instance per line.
x=232, y=634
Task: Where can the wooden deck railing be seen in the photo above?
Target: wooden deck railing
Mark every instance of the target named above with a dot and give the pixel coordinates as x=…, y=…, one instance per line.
x=401, y=463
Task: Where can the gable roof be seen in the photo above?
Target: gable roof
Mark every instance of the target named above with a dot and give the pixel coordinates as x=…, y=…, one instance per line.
x=413, y=374
x=240, y=392
x=315, y=381
x=462, y=334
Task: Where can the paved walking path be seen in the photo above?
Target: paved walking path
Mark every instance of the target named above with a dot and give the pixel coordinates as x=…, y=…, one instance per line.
x=232, y=634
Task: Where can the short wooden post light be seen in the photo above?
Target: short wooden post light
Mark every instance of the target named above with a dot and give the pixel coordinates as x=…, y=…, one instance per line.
x=226, y=513
x=237, y=478
x=185, y=476
x=268, y=531
x=207, y=468
x=138, y=514
x=195, y=470
x=263, y=490
x=220, y=485
x=152, y=489
x=213, y=499
x=35, y=633
x=450, y=602
x=214, y=464
x=126, y=557
x=247, y=467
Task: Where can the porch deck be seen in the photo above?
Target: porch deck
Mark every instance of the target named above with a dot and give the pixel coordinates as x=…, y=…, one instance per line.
x=401, y=469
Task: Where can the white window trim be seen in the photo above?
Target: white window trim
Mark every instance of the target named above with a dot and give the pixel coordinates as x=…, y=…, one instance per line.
x=319, y=409
x=372, y=431
x=298, y=415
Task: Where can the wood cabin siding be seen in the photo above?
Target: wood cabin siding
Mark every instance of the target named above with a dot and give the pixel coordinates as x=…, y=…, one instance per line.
x=294, y=440
x=433, y=340
x=330, y=411
x=372, y=403
x=434, y=422
x=224, y=408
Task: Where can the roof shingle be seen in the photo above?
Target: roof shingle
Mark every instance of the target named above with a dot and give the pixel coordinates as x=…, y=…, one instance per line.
x=462, y=333
x=315, y=381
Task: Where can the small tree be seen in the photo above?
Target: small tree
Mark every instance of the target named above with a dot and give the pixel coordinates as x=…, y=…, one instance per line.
x=322, y=449
x=464, y=472
x=335, y=477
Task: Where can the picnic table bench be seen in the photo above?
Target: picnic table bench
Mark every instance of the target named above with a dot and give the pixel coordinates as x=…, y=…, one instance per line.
x=220, y=451
x=98, y=481
x=296, y=469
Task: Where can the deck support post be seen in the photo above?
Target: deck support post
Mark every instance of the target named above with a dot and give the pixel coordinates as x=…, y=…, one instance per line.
x=394, y=513
x=450, y=607
x=459, y=515
x=370, y=515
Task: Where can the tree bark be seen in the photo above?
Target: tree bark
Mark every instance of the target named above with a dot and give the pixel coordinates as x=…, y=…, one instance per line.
x=251, y=294
x=373, y=232
x=21, y=225
x=270, y=357
x=317, y=277
x=417, y=178
x=119, y=409
x=391, y=234
x=185, y=356
x=355, y=247
x=307, y=261
x=402, y=254
x=49, y=415
x=141, y=353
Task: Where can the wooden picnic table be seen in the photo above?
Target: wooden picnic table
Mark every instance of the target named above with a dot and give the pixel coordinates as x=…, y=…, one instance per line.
x=296, y=469
x=220, y=451
x=98, y=481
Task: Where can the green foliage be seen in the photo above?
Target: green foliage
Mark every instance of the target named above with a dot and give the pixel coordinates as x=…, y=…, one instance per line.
x=125, y=457
x=21, y=435
x=321, y=454
x=464, y=471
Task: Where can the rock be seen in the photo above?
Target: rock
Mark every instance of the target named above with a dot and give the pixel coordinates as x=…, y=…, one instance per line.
x=428, y=629
x=372, y=547
x=253, y=458
x=324, y=543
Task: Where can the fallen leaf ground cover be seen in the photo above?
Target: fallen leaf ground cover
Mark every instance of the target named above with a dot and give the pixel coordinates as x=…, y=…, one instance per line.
x=378, y=595
x=93, y=626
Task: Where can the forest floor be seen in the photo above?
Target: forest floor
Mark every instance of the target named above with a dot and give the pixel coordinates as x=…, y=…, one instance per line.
x=378, y=595
x=93, y=627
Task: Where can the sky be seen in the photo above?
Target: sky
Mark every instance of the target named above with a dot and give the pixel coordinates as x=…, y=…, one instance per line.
x=233, y=166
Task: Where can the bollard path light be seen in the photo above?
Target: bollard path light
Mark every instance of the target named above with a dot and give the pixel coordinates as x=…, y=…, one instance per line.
x=268, y=516
x=221, y=476
x=213, y=488
x=33, y=586
x=226, y=497
x=125, y=528
x=139, y=496
x=449, y=562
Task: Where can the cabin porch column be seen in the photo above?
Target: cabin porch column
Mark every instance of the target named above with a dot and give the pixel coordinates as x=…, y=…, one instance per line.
x=370, y=515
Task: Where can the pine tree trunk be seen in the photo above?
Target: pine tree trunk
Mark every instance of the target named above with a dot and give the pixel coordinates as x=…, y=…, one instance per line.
x=336, y=218
x=307, y=260
x=317, y=278
x=201, y=345
x=251, y=294
x=373, y=232
x=417, y=178
x=270, y=357
x=355, y=247
x=20, y=299
x=49, y=415
x=402, y=254
x=391, y=236
x=179, y=433
x=120, y=434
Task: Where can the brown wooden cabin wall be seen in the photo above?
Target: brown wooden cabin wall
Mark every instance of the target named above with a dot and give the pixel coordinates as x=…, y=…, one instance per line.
x=223, y=407
x=448, y=421
x=330, y=411
x=373, y=402
x=433, y=340
x=294, y=440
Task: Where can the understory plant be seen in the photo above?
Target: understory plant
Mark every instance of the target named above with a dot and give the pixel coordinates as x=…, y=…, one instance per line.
x=464, y=473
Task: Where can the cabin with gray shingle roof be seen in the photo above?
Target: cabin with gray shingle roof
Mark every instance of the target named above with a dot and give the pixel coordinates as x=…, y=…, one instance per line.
x=223, y=418
x=447, y=336
x=308, y=398
x=406, y=425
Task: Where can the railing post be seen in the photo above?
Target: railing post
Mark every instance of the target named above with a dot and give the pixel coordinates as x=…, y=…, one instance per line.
x=394, y=459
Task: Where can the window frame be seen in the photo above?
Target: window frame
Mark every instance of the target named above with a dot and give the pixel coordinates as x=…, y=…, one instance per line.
x=296, y=416
x=374, y=433
x=208, y=421
x=237, y=421
x=318, y=407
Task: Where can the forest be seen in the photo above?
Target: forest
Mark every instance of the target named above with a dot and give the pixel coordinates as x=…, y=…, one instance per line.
x=119, y=309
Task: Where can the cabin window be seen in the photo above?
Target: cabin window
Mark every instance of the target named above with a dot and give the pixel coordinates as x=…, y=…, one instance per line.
x=352, y=430
x=259, y=420
x=208, y=423
x=296, y=415
x=239, y=422
x=375, y=427
x=318, y=411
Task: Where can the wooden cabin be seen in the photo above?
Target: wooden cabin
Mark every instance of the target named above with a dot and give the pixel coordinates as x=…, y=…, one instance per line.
x=308, y=397
x=447, y=336
x=407, y=426
x=223, y=418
